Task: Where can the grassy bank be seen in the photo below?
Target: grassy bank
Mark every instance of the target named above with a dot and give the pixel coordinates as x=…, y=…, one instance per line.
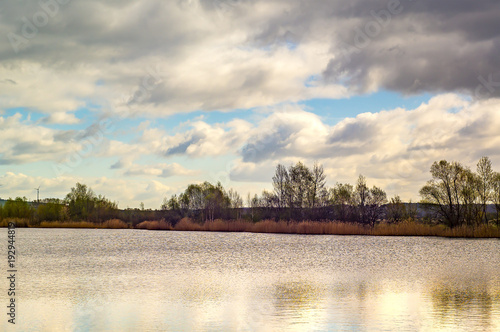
x=406, y=228
x=109, y=224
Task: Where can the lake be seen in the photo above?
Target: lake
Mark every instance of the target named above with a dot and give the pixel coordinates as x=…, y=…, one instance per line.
x=132, y=280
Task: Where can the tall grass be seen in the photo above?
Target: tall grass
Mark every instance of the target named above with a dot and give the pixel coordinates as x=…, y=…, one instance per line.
x=20, y=222
x=112, y=223
x=154, y=225
x=67, y=224
x=406, y=228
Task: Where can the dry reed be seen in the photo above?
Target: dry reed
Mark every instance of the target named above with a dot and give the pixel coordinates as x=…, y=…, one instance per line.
x=19, y=222
x=154, y=225
x=68, y=224
x=115, y=224
x=406, y=228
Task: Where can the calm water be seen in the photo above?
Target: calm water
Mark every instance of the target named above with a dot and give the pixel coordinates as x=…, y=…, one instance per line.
x=130, y=280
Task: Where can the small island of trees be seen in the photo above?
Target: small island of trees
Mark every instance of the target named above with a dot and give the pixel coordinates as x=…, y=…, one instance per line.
x=457, y=201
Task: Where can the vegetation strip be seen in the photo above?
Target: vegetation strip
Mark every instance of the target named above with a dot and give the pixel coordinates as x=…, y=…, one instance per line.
x=456, y=202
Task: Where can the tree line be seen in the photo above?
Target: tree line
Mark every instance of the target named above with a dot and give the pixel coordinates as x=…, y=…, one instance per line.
x=454, y=196
x=457, y=195
x=80, y=204
x=299, y=193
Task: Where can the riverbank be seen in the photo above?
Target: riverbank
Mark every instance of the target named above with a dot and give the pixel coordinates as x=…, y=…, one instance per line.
x=406, y=228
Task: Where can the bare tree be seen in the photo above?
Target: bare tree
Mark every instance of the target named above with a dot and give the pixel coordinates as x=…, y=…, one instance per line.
x=268, y=200
x=485, y=183
x=281, y=182
x=374, y=207
x=444, y=191
x=471, y=197
x=300, y=183
x=361, y=196
x=396, y=210
x=317, y=185
x=343, y=199
x=235, y=201
x=496, y=195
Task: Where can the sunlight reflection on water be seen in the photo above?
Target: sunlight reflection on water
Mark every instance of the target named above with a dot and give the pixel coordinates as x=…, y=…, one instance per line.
x=130, y=280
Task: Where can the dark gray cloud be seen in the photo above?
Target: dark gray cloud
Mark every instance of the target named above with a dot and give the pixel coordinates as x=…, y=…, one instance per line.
x=400, y=45
x=432, y=46
x=182, y=147
x=356, y=131
x=268, y=145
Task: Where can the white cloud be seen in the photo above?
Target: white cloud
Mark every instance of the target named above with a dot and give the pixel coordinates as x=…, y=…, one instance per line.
x=24, y=142
x=159, y=170
x=186, y=58
x=393, y=148
x=61, y=118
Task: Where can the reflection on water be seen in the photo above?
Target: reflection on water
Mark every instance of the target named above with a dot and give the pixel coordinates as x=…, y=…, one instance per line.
x=296, y=296
x=474, y=299
x=128, y=280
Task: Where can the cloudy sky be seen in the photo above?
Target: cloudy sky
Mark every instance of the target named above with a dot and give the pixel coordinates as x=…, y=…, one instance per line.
x=137, y=99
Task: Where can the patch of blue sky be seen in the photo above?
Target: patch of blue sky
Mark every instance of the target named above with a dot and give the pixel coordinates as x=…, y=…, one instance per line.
x=27, y=114
x=311, y=80
x=333, y=111
x=89, y=166
x=180, y=122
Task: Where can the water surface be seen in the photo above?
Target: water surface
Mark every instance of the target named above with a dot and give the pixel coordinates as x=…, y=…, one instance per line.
x=131, y=280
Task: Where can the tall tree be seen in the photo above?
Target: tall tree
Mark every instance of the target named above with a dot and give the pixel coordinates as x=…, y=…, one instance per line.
x=485, y=183
x=471, y=197
x=300, y=184
x=396, y=210
x=361, y=196
x=83, y=204
x=374, y=205
x=343, y=200
x=17, y=208
x=281, y=183
x=80, y=202
x=268, y=199
x=235, y=201
x=317, y=185
x=444, y=191
x=496, y=195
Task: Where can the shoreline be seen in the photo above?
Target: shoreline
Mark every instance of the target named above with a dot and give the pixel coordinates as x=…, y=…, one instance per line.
x=405, y=228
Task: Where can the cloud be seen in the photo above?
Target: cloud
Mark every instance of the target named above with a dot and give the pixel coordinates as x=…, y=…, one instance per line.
x=288, y=132
x=201, y=139
x=227, y=55
x=159, y=170
x=426, y=45
x=61, y=118
x=24, y=142
x=395, y=148
x=190, y=56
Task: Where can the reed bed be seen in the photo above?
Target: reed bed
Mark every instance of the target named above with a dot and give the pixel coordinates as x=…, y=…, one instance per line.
x=115, y=224
x=406, y=228
x=19, y=222
x=154, y=225
x=108, y=224
x=67, y=224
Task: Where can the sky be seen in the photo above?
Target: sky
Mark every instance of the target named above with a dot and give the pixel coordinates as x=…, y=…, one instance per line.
x=138, y=99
